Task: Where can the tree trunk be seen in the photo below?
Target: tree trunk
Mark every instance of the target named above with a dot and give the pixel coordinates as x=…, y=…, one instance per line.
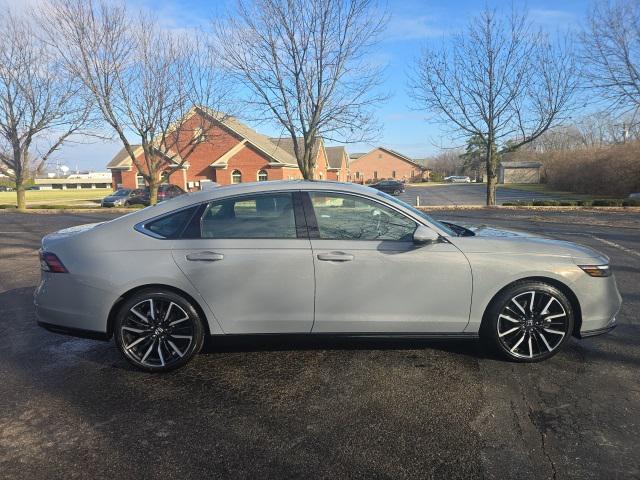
x=21, y=198
x=492, y=173
x=153, y=191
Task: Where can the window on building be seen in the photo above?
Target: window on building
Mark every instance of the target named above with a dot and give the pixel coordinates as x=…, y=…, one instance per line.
x=320, y=176
x=262, y=176
x=357, y=175
x=260, y=216
x=375, y=175
x=140, y=181
x=393, y=174
x=345, y=217
x=236, y=176
x=198, y=135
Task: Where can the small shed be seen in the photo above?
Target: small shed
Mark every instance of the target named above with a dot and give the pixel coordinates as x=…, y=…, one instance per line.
x=519, y=172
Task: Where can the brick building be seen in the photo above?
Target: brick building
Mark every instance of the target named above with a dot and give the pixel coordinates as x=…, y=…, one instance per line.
x=229, y=152
x=382, y=163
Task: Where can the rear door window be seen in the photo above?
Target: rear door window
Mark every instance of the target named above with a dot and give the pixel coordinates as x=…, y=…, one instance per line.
x=260, y=216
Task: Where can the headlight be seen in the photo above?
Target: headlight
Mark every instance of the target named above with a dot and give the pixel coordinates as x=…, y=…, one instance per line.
x=596, y=270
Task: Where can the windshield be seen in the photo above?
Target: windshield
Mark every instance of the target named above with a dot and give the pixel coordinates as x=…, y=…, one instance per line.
x=419, y=213
x=121, y=192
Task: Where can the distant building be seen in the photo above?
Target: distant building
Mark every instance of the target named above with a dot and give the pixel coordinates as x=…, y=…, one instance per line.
x=75, y=181
x=382, y=163
x=231, y=152
x=519, y=172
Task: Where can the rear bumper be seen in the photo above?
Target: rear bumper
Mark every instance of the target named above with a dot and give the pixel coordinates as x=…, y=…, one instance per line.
x=599, y=331
x=68, y=303
x=75, y=332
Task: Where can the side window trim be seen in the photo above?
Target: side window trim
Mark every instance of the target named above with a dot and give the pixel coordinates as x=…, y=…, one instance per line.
x=310, y=216
x=312, y=222
x=300, y=225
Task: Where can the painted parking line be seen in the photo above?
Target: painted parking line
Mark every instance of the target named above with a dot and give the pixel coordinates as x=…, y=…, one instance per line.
x=622, y=248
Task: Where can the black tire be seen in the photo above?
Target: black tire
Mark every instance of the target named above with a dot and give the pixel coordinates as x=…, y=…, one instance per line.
x=396, y=192
x=527, y=322
x=164, y=340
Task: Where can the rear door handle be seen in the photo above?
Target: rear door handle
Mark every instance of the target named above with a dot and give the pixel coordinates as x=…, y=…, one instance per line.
x=205, y=257
x=335, y=257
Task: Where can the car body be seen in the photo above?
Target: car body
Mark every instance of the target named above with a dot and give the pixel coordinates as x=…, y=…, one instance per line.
x=304, y=257
x=140, y=196
x=118, y=198
x=457, y=179
x=5, y=188
x=392, y=187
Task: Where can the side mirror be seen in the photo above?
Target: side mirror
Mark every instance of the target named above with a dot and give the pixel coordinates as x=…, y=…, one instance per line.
x=424, y=236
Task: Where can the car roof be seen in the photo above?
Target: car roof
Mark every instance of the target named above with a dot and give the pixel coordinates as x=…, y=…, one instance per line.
x=212, y=194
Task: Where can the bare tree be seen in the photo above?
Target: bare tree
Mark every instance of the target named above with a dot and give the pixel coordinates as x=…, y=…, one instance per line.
x=611, y=51
x=145, y=80
x=304, y=63
x=40, y=105
x=498, y=80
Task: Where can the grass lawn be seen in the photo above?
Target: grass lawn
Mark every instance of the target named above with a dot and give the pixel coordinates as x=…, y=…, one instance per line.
x=543, y=188
x=58, y=197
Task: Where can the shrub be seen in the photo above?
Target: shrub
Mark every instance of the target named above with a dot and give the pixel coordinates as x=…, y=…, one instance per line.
x=568, y=203
x=613, y=170
x=546, y=203
x=631, y=202
x=607, y=202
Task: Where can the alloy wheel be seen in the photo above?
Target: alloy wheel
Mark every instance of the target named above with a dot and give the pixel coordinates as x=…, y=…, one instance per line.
x=532, y=324
x=157, y=332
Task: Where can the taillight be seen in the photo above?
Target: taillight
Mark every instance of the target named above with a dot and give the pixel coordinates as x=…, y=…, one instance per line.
x=49, y=262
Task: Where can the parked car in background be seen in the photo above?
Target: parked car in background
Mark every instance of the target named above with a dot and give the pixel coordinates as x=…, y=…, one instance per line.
x=140, y=196
x=5, y=188
x=392, y=187
x=117, y=198
x=457, y=179
x=315, y=258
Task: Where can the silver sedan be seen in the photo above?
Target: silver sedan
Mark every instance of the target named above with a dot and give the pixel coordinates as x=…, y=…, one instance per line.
x=318, y=258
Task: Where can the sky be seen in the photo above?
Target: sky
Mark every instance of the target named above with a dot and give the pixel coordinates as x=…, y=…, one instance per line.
x=413, y=24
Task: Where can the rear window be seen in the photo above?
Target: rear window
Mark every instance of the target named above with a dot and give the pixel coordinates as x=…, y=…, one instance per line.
x=172, y=225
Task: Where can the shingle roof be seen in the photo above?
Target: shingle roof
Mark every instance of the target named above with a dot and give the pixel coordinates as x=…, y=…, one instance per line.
x=122, y=158
x=523, y=164
x=286, y=143
x=335, y=156
x=392, y=152
x=277, y=152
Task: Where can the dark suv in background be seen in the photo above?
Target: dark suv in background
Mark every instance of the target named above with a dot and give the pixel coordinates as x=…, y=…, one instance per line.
x=392, y=187
x=140, y=196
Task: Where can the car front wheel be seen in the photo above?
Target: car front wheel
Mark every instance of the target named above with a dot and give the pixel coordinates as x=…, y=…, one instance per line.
x=158, y=330
x=529, y=321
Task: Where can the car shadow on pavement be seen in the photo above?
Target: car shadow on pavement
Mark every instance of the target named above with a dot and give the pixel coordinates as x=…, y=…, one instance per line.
x=301, y=342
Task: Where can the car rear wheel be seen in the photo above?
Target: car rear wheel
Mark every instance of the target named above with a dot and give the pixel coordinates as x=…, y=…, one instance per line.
x=158, y=330
x=528, y=322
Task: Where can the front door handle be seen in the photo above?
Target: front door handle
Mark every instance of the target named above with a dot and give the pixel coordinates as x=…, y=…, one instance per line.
x=205, y=257
x=335, y=257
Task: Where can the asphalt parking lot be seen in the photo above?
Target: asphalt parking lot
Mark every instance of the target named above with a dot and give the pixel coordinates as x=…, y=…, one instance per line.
x=465, y=194
x=278, y=408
